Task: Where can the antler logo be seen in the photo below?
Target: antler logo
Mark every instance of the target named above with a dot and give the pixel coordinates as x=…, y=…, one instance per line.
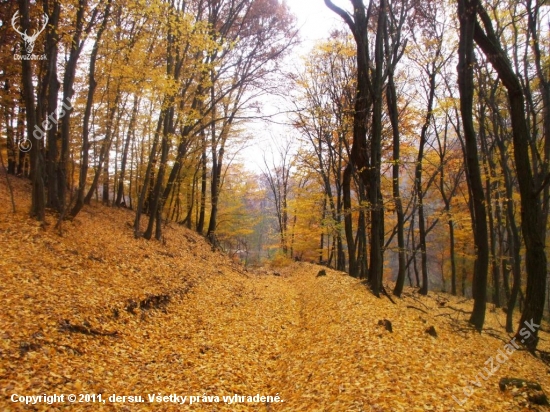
x=28, y=40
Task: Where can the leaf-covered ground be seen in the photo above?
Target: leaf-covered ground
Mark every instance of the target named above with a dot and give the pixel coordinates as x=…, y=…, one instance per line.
x=93, y=310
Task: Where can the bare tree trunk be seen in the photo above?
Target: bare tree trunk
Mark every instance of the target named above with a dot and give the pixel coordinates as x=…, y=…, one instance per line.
x=68, y=92
x=391, y=97
x=105, y=148
x=348, y=222
x=147, y=179
x=204, y=181
x=157, y=200
x=467, y=15
x=131, y=128
x=376, y=265
x=358, y=159
x=532, y=219
x=38, y=203
x=418, y=180
x=52, y=161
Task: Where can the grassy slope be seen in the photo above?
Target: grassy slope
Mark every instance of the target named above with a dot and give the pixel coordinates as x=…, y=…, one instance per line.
x=314, y=341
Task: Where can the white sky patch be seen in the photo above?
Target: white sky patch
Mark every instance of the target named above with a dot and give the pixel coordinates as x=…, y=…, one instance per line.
x=315, y=22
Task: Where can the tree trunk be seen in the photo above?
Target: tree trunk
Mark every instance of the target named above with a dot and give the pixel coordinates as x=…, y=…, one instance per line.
x=52, y=38
x=147, y=180
x=348, y=225
x=204, y=181
x=532, y=219
x=391, y=97
x=104, y=151
x=120, y=201
x=467, y=16
x=418, y=182
x=38, y=201
x=373, y=188
x=157, y=200
x=358, y=159
x=68, y=92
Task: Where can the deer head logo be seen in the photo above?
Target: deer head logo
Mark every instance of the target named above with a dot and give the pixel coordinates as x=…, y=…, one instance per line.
x=28, y=40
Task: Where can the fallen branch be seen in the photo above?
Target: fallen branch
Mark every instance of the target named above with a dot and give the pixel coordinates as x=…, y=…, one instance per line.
x=419, y=301
x=86, y=329
x=533, y=390
x=518, y=383
x=460, y=310
x=414, y=307
x=495, y=334
x=387, y=295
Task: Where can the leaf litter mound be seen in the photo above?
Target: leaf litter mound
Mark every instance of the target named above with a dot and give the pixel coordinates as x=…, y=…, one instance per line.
x=93, y=310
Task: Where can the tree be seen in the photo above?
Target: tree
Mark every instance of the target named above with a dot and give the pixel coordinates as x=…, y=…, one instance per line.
x=431, y=65
x=278, y=179
x=92, y=84
x=532, y=220
x=322, y=116
x=37, y=160
x=366, y=159
x=467, y=16
x=261, y=31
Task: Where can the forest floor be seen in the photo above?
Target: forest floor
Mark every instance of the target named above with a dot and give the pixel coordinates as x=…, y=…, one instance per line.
x=91, y=310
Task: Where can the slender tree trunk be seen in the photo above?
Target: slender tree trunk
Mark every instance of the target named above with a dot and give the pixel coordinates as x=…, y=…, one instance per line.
x=348, y=225
x=157, y=201
x=120, y=191
x=492, y=237
x=68, y=92
x=467, y=15
x=104, y=151
x=147, y=179
x=105, y=198
x=38, y=202
x=376, y=201
x=452, y=252
x=418, y=182
x=532, y=219
x=204, y=182
x=52, y=160
x=513, y=236
x=391, y=97
x=215, y=182
x=11, y=147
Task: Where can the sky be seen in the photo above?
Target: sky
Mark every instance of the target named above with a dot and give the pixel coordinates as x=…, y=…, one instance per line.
x=315, y=22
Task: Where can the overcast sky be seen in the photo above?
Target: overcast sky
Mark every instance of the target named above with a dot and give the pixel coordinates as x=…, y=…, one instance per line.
x=315, y=22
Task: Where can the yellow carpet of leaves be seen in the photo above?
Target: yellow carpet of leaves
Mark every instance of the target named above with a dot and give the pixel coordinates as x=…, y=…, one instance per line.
x=314, y=341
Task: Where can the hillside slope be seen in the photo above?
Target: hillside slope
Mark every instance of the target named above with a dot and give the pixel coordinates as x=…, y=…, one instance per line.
x=95, y=311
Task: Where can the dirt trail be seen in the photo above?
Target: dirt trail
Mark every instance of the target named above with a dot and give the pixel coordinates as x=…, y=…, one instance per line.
x=316, y=342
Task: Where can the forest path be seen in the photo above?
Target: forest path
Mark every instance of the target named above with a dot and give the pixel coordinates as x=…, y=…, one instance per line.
x=323, y=364
x=288, y=335
x=311, y=340
x=299, y=336
x=322, y=349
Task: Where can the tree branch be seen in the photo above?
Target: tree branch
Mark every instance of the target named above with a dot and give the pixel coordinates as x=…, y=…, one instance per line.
x=342, y=13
